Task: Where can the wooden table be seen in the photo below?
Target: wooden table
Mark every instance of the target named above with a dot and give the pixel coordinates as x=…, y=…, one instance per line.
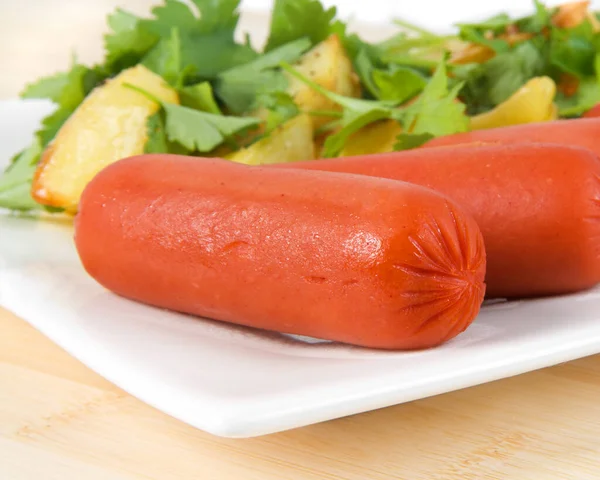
x=59, y=420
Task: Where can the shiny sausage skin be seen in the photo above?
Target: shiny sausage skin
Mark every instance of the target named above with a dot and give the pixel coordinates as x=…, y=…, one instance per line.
x=538, y=207
x=593, y=112
x=579, y=132
x=360, y=260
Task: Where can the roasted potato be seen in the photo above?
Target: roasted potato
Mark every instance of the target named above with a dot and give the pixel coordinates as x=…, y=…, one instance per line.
x=290, y=142
x=378, y=137
x=327, y=65
x=110, y=124
x=533, y=102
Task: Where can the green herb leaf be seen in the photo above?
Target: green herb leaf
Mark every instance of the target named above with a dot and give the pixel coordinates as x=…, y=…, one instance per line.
x=165, y=59
x=67, y=90
x=364, y=67
x=213, y=54
x=495, y=24
x=15, y=183
x=436, y=111
x=587, y=96
x=489, y=84
x=415, y=29
x=157, y=138
x=356, y=113
x=280, y=107
x=407, y=141
x=399, y=85
x=542, y=18
x=200, y=131
x=195, y=130
x=239, y=87
x=52, y=124
x=218, y=15
x=474, y=35
x=50, y=87
x=572, y=53
x=128, y=41
x=199, y=97
x=294, y=19
x=214, y=16
x=353, y=120
x=171, y=14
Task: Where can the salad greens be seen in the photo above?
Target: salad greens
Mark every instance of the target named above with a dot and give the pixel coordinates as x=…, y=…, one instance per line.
x=415, y=77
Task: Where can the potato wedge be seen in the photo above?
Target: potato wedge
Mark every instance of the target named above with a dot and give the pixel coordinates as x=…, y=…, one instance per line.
x=327, y=65
x=378, y=137
x=533, y=102
x=290, y=142
x=109, y=125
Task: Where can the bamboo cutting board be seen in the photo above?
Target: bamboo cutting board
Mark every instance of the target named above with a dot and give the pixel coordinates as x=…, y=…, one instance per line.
x=61, y=421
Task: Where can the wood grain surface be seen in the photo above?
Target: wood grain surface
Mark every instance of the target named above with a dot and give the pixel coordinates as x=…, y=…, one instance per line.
x=61, y=421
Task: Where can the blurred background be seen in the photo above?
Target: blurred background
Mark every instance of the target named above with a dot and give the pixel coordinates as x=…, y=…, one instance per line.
x=39, y=37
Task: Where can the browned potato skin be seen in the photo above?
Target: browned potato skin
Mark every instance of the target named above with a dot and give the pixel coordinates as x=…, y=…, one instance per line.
x=110, y=124
x=290, y=142
x=328, y=65
x=378, y=137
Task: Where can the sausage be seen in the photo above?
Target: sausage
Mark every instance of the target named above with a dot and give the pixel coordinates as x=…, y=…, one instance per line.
x=593, y=112
x=580, y=132
x=365, y=261
x=538, y=207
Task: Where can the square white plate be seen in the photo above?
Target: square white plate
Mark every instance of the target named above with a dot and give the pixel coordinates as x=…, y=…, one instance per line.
x=238, y=382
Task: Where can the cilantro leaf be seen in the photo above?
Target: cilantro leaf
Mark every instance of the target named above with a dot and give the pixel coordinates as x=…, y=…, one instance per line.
x=50, y=87
x=354, y=118
x=206, y=42
x=356, y=113
x=165, y=58
x=239, y=87
x=280, y=107
x=489, y=84
x=171, y=14
x=407, y=141
x=52, y=124
x=535, y=23
x=218, y=15
x=588, y=95
x=364, y=67
x=399, y=85
x=294, y=19
x=195, y=130
x=127, y=42
x=436, y=111
x=201, y=131
x=15, y=183
x=239, y=93
x=475, y=35
x=213, y=54
x=214, y=16
x=413, y=28
x=157, y=138
x=572, y=53
x=495, y=23
x=199, y=97
x=67, y=90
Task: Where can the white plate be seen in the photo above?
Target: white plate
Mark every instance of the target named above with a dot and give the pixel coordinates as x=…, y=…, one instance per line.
x=238, y=382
